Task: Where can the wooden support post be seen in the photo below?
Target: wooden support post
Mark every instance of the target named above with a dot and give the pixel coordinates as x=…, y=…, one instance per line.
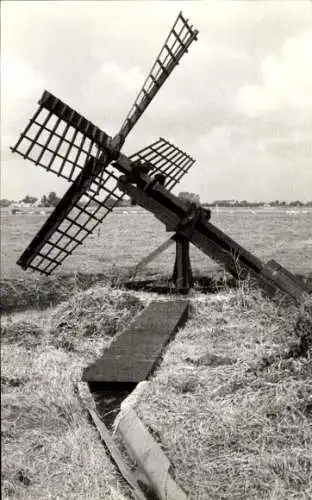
x=182, y=272
x=213, y=242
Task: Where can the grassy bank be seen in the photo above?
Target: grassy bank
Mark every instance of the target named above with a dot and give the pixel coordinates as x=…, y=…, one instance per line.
x=232, y=400
x=49, y=450
x=40, y=292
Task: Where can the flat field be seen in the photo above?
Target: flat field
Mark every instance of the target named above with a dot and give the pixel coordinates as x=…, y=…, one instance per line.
x=230, y=402
x=127, y=235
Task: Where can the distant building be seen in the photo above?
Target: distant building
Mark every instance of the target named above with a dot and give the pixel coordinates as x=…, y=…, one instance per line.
x=225, y=203
x=22, y=204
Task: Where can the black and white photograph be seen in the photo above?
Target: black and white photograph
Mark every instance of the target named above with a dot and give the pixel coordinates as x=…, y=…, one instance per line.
x=156, y=249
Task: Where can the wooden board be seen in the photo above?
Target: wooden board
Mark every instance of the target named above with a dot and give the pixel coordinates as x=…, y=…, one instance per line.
x=153, y=255
x=149, y=456
x=134, y=354
x=152, y=476
x=130, y=477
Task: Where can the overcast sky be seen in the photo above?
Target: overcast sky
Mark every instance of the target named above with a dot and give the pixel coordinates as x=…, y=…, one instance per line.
x=240, y=101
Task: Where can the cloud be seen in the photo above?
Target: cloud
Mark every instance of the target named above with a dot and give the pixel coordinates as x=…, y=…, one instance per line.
x=286, y=80
x=18, y=80
x=18, y=83
x=126, y=79
x=238, y=102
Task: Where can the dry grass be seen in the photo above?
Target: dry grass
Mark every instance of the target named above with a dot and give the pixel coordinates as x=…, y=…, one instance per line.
x=49, y=450
x=231, y=401
x=90, y=315
x=231, y=405
x=37, y=291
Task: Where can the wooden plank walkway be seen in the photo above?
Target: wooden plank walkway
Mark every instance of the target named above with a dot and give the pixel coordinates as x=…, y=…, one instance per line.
x=134, y=354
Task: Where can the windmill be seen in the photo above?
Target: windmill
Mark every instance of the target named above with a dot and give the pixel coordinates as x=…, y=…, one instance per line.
x=62, y=141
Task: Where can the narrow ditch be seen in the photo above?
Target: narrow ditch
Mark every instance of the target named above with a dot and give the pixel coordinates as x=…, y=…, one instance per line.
x=108, y=398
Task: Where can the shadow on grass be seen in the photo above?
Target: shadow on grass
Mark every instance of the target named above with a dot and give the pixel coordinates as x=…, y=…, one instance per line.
x=203, y=284
x=40, y=292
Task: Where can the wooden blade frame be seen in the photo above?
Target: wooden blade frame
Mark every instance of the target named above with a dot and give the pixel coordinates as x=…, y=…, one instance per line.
x=59, y=139
x=167, y=159
x=94, y=192
x=83, y=207
x=67, y=144
x=62, y=141
x=176, y=45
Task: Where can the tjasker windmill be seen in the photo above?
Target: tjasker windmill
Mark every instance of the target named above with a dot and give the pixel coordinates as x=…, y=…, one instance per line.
x=62, y=141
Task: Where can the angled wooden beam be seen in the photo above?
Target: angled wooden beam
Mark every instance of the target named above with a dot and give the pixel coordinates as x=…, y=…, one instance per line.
x=153, y=255
x=169, y=209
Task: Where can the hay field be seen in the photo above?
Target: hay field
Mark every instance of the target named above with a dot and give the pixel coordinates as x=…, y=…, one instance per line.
x=230, y=403
x=128, y=234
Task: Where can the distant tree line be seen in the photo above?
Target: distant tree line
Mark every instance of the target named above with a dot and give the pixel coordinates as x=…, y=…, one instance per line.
x=244, y=203
x=191, y=197
x=4, y=202
x=51, y=200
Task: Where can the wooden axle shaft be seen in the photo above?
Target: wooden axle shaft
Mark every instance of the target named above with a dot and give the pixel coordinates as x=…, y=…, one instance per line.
x=170, y=210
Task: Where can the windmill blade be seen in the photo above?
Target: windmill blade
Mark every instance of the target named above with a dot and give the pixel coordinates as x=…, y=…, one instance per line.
x=62, y=141
x=176, y=45
x=167, y=159
x=59, y=139
x=84, y=206
x=91, y=197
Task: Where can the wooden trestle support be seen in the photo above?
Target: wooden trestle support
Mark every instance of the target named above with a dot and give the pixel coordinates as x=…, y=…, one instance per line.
x=182, y=272
x=191, y=224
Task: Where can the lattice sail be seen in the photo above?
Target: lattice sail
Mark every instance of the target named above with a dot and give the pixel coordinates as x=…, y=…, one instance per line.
x=62, y=141
x=167, y=159
x=179, y=39
x=69, y=225
x=59, y=139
